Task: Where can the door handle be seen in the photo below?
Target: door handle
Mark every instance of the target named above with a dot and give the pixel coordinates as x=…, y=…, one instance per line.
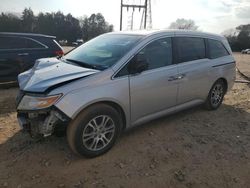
x=172, y=78
x=180, y=76
x=23, y=54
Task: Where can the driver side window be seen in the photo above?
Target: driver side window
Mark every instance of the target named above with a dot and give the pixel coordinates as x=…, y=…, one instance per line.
x=157, y=54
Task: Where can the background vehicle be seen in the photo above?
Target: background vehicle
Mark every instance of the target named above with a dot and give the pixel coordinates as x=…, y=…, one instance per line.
x=120, y=80
x=18, y=52
x=77, y=42
x=246, y=51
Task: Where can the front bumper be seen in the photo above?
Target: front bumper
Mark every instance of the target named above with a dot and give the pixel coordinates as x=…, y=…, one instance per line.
x=41, y=122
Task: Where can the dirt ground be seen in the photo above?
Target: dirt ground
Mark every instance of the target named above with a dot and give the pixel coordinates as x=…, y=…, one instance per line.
x=192, y=149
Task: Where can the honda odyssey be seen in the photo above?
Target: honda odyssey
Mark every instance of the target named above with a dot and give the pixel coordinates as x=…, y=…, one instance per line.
x=122, y=79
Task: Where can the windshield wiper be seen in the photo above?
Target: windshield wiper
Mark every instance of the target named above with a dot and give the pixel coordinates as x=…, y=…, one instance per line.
x=82, y=64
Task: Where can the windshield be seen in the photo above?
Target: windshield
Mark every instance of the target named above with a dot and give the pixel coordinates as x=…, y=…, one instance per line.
x=103, y=51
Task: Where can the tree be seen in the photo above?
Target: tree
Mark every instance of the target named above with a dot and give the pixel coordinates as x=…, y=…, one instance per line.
x=9, y=23
x=94, y=25
x=64, y=27
x=72, y=28
x=240, y=38
x=244, y=36
x=183, y=24
x=28, y=20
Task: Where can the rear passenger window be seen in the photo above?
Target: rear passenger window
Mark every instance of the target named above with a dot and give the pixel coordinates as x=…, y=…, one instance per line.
x=216, y=49
x=190, y=48
x=18, y=43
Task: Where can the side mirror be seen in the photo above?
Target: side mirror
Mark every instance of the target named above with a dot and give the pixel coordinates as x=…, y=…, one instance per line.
x=138, y=64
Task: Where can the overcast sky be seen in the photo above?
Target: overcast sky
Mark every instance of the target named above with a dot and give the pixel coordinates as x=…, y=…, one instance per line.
x=210, y=15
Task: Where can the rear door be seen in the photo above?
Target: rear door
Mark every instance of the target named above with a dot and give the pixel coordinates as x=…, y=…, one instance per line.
x=10, y=60
x=31, y=50
x=194, y=69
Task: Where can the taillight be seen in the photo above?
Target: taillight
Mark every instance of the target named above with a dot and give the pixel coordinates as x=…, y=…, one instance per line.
x=59, y=53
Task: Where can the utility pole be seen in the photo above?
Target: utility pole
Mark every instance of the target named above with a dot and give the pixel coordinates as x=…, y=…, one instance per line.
x=134, y=6
x=121, y=15
x=145, y=19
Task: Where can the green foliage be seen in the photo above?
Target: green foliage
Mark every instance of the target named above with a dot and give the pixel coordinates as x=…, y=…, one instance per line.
x=10, y=22
x=241, y=40
x=64, y=27
x=28, y=20
x=94, y=26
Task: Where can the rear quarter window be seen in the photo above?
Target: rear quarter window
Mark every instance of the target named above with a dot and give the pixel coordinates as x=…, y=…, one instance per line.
x=190, y=48
x=216, y=49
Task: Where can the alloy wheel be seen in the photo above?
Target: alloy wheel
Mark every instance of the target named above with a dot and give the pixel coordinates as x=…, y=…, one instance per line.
x=98, y=132
x=217, y=94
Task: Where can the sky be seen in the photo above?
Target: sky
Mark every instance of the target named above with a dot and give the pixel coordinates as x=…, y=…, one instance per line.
x=210, y=15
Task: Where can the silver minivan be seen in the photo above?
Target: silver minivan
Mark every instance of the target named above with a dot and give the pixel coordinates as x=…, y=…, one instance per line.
x=122, y=79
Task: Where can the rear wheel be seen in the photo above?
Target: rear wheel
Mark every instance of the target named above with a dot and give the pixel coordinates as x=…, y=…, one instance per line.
x=216, y=95
x=94, y=131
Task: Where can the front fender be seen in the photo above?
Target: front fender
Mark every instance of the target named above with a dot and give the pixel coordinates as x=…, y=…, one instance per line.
x=116, y=91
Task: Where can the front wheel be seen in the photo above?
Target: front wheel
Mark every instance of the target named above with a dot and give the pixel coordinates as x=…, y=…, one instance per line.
x=94, y=131
x=216, y=95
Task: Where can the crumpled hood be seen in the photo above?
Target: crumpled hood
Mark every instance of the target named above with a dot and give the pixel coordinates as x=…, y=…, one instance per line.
x=49, y=72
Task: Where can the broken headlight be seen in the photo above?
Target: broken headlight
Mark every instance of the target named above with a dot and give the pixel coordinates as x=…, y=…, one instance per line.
x=36, y=102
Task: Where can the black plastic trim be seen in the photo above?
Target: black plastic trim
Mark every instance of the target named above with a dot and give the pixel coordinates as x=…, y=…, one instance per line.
x=224, y=64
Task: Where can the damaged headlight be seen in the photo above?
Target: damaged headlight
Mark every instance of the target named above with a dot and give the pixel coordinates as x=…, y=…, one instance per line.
x=36, y=103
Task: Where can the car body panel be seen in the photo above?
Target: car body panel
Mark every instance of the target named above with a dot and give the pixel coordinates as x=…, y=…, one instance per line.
x=94, y=89
x=152, y=91
x=48, y=72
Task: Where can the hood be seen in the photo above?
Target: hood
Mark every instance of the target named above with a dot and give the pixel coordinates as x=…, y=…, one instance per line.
x=49, y=72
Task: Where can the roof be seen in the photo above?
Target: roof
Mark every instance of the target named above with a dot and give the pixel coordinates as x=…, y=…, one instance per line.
x=176, y=31
x=25, y=34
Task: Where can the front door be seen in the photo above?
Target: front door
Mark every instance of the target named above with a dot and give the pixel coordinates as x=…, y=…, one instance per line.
x=155, y=89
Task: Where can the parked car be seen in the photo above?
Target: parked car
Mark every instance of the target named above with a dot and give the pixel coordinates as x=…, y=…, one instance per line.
x=63, y=42
x=246, y=51
x=119, y=80
x=18, y=52
x=78, y=42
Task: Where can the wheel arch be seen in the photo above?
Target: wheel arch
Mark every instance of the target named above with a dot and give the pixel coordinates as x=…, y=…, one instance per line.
x=224, y=81
x=111, y=103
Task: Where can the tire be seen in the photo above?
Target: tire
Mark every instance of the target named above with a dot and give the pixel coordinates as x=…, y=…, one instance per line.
x=85, y=134
x=216, y=95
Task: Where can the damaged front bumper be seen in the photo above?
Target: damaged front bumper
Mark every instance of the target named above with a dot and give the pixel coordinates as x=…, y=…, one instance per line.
x=43, y=121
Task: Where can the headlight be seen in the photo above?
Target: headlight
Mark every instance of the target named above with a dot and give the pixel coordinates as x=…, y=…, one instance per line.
x=35, y=103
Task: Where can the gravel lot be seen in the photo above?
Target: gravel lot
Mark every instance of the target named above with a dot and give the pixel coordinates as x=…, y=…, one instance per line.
x=193, y=149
